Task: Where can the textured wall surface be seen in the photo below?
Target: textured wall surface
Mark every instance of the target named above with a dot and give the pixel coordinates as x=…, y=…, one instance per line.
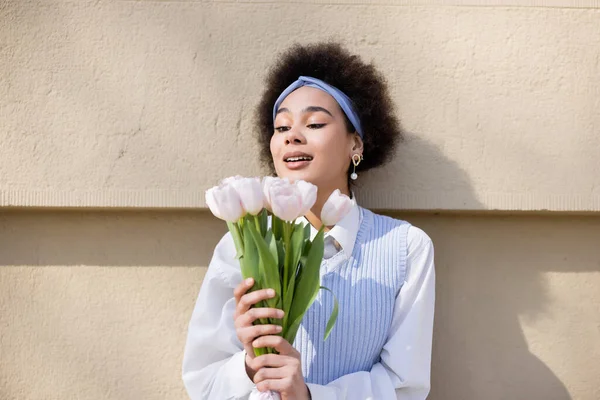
x=133, y=103
x=121, y=103
x=95, y=305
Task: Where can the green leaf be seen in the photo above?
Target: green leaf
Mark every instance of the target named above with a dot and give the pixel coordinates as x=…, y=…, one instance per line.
x=273, y=248
x=267, y=265
x=297, y=245
x=272, y=242
x=333, y=316
x=249, y=264
x=306, y=249
x=249, y=261
x=277, y=227
x=280, y=254
x=303, y=258
x=307, y=287
x=264, y=222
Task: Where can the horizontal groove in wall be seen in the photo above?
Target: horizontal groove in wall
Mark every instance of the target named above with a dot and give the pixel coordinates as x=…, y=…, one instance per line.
x=474, y=3
x=381, y=199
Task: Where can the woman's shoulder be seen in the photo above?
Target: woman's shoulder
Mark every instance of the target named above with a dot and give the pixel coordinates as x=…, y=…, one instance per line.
x=415, y=236
x=384, y=221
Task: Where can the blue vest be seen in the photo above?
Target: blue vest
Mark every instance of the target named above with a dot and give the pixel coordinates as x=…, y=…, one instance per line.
x=366, y=286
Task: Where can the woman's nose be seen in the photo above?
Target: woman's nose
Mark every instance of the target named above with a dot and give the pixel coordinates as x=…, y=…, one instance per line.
x=294, y=135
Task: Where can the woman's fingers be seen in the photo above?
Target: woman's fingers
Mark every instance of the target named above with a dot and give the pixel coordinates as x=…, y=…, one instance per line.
x=249, y=333
x=279, y=372
x=270, y=361
x=242, y=288
x=249, y=299
x=282, y=346
x=256, y=313
x=282, y=385
x=270, y=373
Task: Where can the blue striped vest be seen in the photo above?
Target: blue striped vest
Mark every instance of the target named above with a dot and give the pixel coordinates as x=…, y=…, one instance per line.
x=366, y=285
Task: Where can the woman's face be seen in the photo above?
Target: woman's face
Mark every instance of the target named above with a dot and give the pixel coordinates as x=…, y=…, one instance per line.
x=311, y=141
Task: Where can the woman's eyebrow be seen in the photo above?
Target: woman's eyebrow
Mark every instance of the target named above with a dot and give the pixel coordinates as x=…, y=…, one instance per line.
x=315, y=109
x=307, y=109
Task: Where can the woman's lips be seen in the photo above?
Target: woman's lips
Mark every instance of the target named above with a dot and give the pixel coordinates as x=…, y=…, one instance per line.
x=294, y=165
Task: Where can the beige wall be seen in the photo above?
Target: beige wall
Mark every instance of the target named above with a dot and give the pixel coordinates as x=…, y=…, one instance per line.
x=95, y=305
x=148, y=103
x=108, y=108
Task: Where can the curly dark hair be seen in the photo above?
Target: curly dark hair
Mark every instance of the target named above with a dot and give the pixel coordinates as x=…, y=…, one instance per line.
x=366, y=87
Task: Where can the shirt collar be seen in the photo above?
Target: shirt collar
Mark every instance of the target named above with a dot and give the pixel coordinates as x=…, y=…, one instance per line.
x=345, y=231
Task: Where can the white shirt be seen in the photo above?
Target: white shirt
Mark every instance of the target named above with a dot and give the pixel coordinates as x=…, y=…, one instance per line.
x=214, y=359
x=342, y=236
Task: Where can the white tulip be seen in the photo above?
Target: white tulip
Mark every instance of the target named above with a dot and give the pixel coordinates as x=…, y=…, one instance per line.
x=225, y=203
x=267, y=182
x=285, y=199
x=288, y=200
x=250, y=192
x=230, y=180
x=336, y=208
x=309, y=195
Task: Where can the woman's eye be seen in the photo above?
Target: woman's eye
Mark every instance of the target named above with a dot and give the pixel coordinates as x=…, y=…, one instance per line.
x=282, y=128
x=316, y=126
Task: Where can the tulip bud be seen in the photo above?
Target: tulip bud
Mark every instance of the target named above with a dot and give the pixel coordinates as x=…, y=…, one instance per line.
x=225, y=203
x=250, y=192
x=336, y=208
x=267, y=182
x=231, y=179
x=286, y=200
x=309, y=195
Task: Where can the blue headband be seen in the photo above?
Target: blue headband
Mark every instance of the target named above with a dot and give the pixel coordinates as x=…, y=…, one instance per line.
x=339, y=96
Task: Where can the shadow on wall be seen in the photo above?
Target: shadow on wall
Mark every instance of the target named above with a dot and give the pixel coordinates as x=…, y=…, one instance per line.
x=108, y=238
x=480, y=351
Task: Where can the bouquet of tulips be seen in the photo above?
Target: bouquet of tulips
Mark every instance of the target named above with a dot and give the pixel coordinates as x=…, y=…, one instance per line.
x=279, y=255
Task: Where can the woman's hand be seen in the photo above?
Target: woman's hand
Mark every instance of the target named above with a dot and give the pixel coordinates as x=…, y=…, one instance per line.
x=279, y=372
x=244, y=316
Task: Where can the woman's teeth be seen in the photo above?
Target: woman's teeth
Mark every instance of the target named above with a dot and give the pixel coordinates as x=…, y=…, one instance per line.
x=292, y=159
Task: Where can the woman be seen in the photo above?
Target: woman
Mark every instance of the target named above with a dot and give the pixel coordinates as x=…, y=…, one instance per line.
x=324, y=117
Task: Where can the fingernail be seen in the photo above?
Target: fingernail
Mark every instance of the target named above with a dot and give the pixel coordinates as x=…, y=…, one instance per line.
x=271, y=292
x=248, y=281
x=280, y=313
x=278, y=328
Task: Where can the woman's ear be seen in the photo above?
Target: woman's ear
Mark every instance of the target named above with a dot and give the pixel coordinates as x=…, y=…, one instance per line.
x=357, y=144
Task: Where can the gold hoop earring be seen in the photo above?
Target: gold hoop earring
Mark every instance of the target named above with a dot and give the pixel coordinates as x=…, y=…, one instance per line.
x=356, y=159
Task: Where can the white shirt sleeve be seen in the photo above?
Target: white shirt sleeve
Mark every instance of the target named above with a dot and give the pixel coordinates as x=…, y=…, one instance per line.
x=404, y=370
x=214, y=360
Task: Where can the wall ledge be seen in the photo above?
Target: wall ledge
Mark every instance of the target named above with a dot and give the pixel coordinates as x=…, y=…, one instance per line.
x=475, y=3
x=379, y=200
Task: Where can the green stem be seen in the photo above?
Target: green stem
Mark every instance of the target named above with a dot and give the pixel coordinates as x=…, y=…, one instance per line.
x=286, y=263
x=259, y=351
x=236, y=233
x=257, y=224
x=287, y=237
